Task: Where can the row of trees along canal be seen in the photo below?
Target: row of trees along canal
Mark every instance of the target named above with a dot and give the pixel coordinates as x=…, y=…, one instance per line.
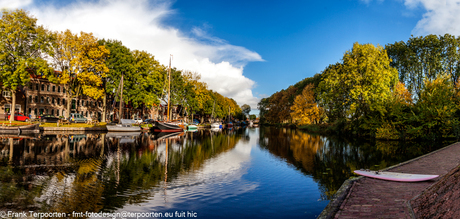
x=405, y=90
x=85, y=65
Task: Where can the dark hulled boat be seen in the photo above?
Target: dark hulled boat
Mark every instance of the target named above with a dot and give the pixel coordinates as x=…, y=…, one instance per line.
x=167, y=127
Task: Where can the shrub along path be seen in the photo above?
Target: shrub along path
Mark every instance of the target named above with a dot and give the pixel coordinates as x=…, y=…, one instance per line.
x=373, y=198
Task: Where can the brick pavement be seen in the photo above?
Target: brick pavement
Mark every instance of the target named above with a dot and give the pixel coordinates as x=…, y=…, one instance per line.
x=373, y=198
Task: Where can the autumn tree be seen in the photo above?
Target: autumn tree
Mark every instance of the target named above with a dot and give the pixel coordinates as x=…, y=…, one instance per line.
x=81, y=63
x=436, y=108
x=22, y=45
x=365, y=79
x=305, y=110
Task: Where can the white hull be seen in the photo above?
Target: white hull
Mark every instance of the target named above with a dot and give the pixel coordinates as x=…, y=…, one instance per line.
x=123, y=128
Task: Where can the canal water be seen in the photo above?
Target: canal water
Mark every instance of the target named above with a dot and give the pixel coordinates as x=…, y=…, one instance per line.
x=239, y=173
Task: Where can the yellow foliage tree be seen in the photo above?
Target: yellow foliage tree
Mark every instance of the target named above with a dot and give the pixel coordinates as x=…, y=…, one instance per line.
x=402, y=95
x=81, y=62
x=305, y=110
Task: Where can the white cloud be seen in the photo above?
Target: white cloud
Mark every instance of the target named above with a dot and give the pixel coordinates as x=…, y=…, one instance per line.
x=442, y=16
x=138, y=25
x=12, y=4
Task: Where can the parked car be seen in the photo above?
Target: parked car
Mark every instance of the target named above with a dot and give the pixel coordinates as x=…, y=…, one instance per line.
x=48, y=118
x=77, y=117
x=20, y=117
x=137, y=120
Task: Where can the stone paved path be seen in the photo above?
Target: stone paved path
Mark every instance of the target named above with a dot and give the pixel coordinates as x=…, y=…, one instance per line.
x=373, y=198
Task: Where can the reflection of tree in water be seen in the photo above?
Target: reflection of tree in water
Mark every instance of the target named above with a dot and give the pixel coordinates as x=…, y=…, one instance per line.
x=331, y=160
x=94, y=173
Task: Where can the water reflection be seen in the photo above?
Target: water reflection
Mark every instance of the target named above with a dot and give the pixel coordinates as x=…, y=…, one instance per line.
x=331, y=160
x=95, y=172
x=220, y=173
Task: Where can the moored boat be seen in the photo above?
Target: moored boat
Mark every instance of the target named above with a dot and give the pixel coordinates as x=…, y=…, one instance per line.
x=23, y=129
x=168, y=127
x=216, y=125
x=125, y=126
x=229, y=124
x=192, y=127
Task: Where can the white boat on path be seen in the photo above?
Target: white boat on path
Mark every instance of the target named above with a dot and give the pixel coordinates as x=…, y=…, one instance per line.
x=393, y=176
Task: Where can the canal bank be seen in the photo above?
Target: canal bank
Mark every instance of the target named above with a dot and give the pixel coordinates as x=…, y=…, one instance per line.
x=54, y=129
x=364, y=197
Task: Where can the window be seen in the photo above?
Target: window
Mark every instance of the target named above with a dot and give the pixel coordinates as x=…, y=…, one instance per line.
x=36, y=86
x=30, y=111
x=42, y=100
x=86, y=113
x=52, y=112
x=6, y=93
x=54, y=88
x=58, y=101
x=53, y=101
x=57, y=112
x=43, y=87
x=35, y=112
x=63, y=90
x=36, y=99
x=63, y=101
x=30, y=86
x=59, y=89
x=30, y=99
x=46, y=111
x=48, y=100
x=47, y=88
x=86, y=103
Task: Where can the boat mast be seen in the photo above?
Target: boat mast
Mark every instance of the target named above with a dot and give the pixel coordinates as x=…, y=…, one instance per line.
x=121, y=100
x=212, y=114
x=169, y=84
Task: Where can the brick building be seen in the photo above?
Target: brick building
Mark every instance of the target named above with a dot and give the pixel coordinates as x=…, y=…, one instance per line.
x=41, y=97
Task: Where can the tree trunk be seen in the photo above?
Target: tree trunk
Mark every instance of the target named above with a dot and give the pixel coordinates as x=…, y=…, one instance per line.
x=13, y=105
x=69, y=101
x=104, y=107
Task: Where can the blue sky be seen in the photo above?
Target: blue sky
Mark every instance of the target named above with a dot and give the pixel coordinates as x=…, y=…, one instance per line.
x=299, y=38
x=248, y=50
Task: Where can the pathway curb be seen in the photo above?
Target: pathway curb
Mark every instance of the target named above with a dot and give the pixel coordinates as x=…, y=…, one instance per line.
x=344, y=191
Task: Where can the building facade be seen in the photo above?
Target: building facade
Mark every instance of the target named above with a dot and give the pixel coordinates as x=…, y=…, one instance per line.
x=42, y=97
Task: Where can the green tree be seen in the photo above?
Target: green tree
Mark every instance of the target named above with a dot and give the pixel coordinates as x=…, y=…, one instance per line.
x=120, y=61
x=147, y=82
x=22, y=46
x=425, y=57
x=246, y=109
